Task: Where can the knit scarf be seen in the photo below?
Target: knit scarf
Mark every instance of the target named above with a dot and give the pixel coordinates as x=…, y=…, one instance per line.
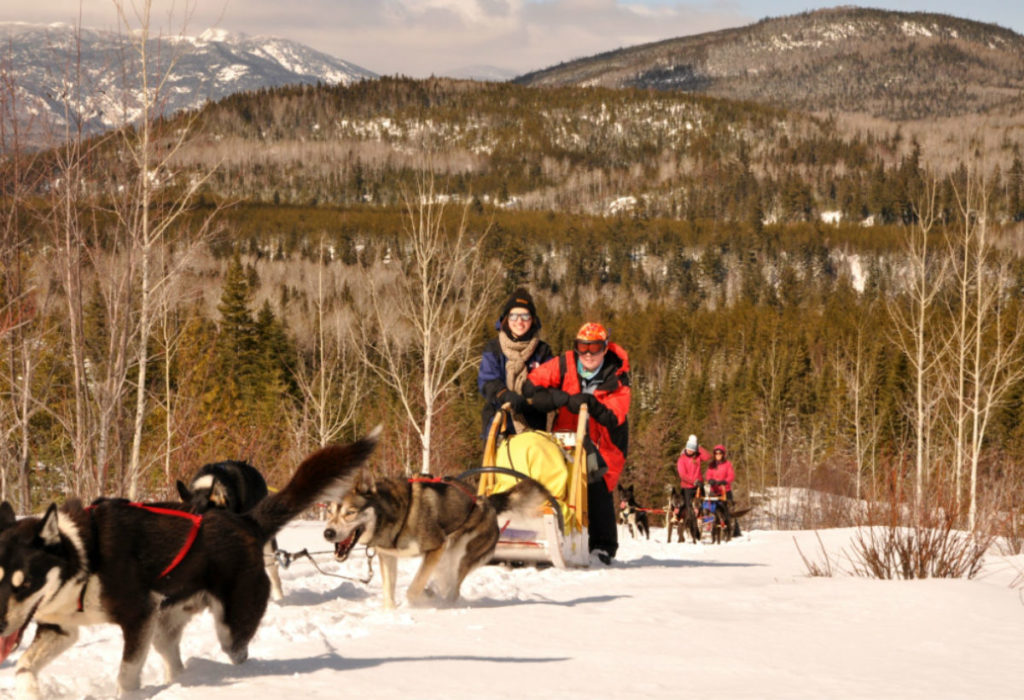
x=517, y=353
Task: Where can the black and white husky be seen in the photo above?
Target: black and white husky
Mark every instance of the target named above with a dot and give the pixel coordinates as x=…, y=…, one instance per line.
x=148, y=570
x=234, y=486
x=632, y=514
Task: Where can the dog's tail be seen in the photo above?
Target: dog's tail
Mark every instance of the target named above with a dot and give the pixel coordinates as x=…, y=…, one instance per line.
x=525, y=498
x=327, y=474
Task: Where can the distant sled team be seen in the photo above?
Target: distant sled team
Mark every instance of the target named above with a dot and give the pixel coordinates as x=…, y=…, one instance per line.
x=148, y=568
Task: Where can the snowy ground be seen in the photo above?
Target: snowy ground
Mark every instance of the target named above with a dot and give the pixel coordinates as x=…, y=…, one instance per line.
x=741, y=620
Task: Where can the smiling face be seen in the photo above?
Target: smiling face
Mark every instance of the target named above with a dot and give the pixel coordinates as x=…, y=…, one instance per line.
x=592, y=362
x=519, y=321
x=591, y=353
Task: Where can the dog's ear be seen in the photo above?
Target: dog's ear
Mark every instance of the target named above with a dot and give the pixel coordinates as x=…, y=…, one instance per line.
x=183, y=493
x=219, y=495
x=49, y=527
x=363, y=483
x=7, y=516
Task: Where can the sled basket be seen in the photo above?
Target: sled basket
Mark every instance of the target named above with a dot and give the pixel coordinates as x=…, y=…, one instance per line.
x=558, y=533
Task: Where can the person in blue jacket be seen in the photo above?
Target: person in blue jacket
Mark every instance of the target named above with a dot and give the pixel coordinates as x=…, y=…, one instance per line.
x=507, y=360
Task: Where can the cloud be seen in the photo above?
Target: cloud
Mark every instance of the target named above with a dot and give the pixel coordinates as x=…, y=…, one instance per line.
x=423, y=37
x=419, y=37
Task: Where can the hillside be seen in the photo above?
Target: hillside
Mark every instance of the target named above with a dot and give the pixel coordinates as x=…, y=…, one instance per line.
x=898, y=65
x=571, y=149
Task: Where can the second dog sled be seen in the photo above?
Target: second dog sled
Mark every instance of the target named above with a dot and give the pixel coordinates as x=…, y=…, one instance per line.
x=558, y=534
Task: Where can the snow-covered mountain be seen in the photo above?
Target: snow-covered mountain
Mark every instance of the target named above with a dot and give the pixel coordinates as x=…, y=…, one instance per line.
x=60, y=70
x=896, y=65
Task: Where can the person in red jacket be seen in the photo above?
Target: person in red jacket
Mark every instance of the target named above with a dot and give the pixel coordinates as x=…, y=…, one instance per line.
x=719, y=477
x=688, y=468
x=596, y=373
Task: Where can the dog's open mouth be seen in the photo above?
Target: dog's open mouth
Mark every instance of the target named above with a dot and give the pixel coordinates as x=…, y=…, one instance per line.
x=344, y=548
x=11, y=641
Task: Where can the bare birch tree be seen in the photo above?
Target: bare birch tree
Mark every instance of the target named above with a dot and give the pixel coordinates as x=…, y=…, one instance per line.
x=857, y=372
x=988, y=332
x=332, y=383
x=67, y=225
x=423, y=315
x=110, y=231
x=24, y=302
x=144, y=227
x=912, y=326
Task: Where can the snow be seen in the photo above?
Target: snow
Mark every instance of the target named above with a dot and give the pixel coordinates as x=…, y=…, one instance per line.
x=231, y=73
x=739, y=620
x=833, y=216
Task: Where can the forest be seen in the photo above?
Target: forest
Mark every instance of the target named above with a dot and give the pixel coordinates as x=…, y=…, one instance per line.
x=236, y=283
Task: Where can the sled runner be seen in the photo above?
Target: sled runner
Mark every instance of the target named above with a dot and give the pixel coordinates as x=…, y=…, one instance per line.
x=558, y=534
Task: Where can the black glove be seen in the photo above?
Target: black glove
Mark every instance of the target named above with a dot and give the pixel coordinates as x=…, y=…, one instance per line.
x=577, y=400
x=602, y=414
x=547, y=400
x=528, y=389
x=516, y=401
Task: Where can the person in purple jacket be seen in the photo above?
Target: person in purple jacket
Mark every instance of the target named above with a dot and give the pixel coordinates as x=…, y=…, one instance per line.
x=508, y=359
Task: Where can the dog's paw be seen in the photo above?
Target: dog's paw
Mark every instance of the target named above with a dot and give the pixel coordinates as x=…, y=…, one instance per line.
x=238, y=656
x=26, y=686
x=420, y=601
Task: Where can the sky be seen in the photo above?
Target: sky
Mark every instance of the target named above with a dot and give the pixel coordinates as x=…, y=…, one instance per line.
x=419, y=38
x=741, y=621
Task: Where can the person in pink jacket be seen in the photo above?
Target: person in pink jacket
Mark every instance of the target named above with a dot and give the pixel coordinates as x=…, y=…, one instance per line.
x=719, y=477
x=688, y=468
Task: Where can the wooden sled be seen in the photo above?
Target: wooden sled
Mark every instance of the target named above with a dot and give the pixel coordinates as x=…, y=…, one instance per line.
x=557, y=534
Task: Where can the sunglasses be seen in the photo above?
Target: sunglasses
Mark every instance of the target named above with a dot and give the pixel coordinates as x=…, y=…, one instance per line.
x=525, y=316
x=591, y=347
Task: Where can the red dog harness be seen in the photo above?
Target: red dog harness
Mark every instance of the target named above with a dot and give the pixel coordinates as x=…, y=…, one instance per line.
x=197, y=520
x=442, y=480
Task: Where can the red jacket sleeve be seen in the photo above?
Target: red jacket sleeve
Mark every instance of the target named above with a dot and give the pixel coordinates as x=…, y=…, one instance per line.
x=617, y=401
x=546, y=375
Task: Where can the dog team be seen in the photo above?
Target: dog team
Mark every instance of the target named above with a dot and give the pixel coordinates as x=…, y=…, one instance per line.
x=149, y=568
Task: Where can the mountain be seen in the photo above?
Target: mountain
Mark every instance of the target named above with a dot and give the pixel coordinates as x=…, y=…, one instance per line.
x=41, y=61
x=897, y=65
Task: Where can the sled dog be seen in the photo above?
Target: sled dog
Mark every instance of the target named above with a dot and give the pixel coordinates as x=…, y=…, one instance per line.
x=632, y=514
x=148, y=569
x=682, y=519
x=444, y=521
x=724, y=520
x=237, y=487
